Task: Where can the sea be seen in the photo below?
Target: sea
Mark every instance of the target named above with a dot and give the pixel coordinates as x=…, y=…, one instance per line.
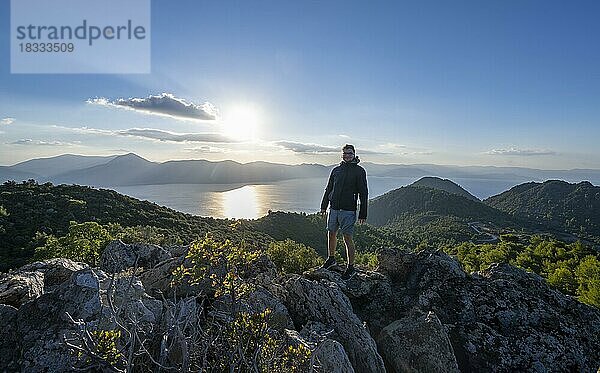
x=252, y=201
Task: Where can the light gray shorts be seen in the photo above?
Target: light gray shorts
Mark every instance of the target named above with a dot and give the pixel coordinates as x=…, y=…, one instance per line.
x=342, y=220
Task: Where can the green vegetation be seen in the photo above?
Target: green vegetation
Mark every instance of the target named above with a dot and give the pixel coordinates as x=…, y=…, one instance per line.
x=366, y=259
x=105, y=342
x=573, y=268
x=427, y=230
x=443, y=184
x=292, y=257
x=210, y=259
x=411, y=200
x=555, y=204
x=35, y=211
x=84, y=243
x=249, y=343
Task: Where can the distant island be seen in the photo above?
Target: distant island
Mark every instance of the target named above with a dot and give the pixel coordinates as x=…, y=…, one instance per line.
x=131, y=169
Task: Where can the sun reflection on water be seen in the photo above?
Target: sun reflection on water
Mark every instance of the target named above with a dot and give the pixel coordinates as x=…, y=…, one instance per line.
x=241, y=203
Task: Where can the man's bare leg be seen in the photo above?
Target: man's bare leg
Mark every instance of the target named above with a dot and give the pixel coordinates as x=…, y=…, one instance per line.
x=331, y=242
x=349, y=248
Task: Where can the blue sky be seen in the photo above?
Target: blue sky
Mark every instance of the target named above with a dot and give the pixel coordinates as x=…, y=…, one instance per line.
x=507, y=83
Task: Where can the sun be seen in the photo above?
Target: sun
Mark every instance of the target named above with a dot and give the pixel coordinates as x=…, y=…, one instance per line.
x=242, y=122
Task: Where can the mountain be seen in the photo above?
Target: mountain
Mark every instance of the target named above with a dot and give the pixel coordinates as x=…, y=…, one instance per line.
x=130, y=169
x=48, y=167
x=574, y=208
x=9, y=173
x=444, y=184
x=417, y=200
x=124, y=169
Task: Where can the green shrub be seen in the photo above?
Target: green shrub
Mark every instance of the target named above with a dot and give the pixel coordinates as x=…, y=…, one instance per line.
x=292, y=257
x=367, y=259
x=564, y=280
x=208, y=256
x=84, y=243
x=588, y=276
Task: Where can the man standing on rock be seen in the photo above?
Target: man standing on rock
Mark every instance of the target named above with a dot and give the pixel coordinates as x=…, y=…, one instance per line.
x=346, y=183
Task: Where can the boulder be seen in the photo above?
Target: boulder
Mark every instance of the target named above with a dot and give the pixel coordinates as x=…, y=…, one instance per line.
x=323, y=301
x=43, y=324
x=130, y=299
x=17, y=288
x=417, y=343
x=56, y=271
x=261, y=299
x=329, y=354
x=118, y=256
x=158, y=281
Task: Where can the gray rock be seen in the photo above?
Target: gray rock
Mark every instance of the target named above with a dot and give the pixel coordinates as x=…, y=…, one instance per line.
x=158, y=281
x=42, y=324
x=369, y=292
x=56, y=271
x=129, y=297
x=417, y=343
x=502, y=319
x=118, y=256
x=261, y=299
x=9, y=353
x=323, y=301
x=329, y=354
x=17, y=288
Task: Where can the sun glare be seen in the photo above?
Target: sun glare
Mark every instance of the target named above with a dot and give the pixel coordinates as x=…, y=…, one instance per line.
x=242, y=122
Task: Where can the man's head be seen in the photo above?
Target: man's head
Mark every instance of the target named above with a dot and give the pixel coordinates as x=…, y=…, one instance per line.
x=348, y=153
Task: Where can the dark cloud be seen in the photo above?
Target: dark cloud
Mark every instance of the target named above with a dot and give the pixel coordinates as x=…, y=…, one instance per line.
x=163, y=104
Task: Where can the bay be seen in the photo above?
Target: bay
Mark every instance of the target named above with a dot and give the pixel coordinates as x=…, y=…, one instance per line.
x=251, y=201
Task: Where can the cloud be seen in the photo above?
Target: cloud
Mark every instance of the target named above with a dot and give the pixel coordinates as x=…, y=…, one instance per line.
x=298, y=147
x=154, y=134
x=520, y=152
x=204, y=149
x=41, y=142
x=84, y=129
x=161, y=135
x=165, y=104
x=7, y=121
x=307, y=148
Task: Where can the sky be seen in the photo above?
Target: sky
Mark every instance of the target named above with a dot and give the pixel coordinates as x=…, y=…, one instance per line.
x=501, y=83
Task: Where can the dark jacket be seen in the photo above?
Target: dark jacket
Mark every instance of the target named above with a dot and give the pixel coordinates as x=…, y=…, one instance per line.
x=346, y=182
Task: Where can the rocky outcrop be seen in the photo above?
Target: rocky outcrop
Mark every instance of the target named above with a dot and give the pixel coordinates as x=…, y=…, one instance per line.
x=503, y=319
x=324, y=301
x=419, y=312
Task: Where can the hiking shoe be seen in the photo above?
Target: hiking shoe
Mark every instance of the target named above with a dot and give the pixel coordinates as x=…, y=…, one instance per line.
x=330, y=262
x=349, y=273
